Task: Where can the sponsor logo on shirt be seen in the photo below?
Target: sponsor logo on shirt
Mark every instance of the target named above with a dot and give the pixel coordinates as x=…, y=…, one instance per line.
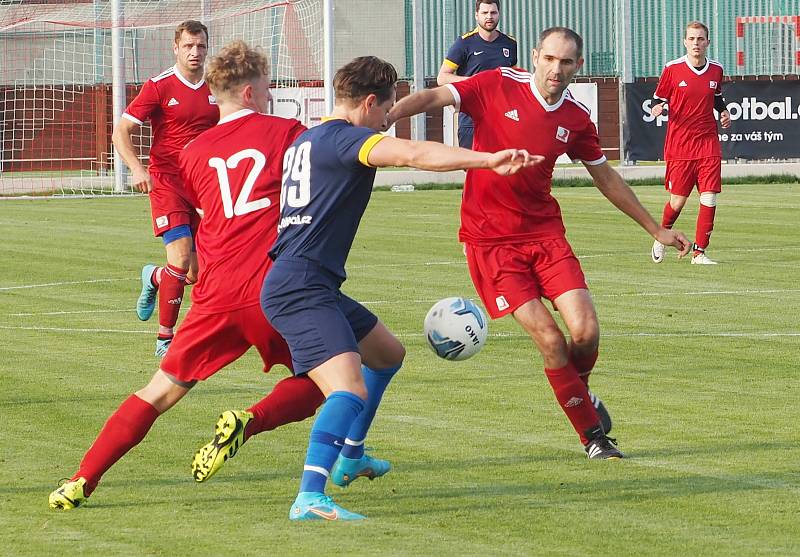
x=562, y=134
x=513, y=114
x=161, y=222
x=172, y=102
x=682, y=84
x=212, y=99
x=506, y=52
x=501, y=303
x=294, y=220
x=477, y=52
x=712, y=84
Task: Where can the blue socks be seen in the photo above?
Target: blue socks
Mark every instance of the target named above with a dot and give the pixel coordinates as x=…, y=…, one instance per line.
x=327, y=438
x=376, y=381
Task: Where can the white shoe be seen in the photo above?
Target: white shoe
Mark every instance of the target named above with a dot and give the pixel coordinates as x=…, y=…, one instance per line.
x=658, y=252
x=702, y=259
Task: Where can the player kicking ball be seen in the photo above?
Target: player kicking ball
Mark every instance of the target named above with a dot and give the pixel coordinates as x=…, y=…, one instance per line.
x=327, y=182
x=231, y=171
x=515, y=240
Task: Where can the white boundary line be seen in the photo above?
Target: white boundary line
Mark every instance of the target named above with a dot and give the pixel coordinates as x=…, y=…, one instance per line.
x=48, y=284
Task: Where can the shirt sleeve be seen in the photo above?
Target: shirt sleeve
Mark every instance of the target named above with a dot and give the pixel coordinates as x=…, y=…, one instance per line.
x=664, y=88
x=471, y=94
x=456, y=56
x=586, y=147
x=513, y=58
x=294, y=132
x=353, y=145
x=144, y=105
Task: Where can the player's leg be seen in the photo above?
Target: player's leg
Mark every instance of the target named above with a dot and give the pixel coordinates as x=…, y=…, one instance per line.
x=709, y=184
x=123, y=430
x=178, y=245
x=382, y=356
x=680, y=181
x=291, y=400
x=301, y=301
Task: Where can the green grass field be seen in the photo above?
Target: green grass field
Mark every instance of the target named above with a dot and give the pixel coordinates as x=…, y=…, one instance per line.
x=698, y=367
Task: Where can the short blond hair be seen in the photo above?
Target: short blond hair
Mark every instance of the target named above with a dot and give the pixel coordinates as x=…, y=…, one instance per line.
x=236, y=65
x=695, y=25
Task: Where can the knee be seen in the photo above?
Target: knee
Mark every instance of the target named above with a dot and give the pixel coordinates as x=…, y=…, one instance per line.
x=708, y=199
x=551, y=343
x=586, y=334
x=390, y=358
x=677, y=202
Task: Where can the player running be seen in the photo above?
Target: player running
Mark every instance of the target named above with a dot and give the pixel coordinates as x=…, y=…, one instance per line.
x=232, y=172
x=179, y=105
x=514, y=236
x=327, y=182
x=692, y=87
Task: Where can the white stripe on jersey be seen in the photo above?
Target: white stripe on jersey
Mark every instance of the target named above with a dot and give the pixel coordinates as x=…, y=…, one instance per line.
x=680, y=60
x=164, y=74
x=456, y=96
x=132, y=118
x=579, y=103
x=516, y=75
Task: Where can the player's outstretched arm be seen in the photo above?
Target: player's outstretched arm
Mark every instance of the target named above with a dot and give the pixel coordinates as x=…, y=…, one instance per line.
x=421, y=101
x=429, y=155
x=121, y=137
x=614, y=188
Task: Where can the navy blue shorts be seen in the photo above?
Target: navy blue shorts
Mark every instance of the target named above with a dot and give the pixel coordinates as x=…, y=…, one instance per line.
x=302, y=301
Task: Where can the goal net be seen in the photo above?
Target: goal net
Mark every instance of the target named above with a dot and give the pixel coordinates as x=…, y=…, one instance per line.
x=56, y=79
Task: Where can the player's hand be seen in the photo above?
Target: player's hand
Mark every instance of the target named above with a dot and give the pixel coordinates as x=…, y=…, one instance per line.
x=725, y=119
x=141, y=181
x=657, y=110
x=511, y=161
x=674, y=238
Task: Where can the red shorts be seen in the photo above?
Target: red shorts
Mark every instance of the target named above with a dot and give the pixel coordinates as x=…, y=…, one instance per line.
x=509, y=275
x=207, y=342
x=683, y=175
x=169, y=206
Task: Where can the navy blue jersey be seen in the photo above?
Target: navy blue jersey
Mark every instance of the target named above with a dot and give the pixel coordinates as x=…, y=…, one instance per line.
x=327, y=183
x=470, y=54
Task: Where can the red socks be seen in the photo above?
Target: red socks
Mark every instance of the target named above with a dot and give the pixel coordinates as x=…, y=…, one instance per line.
x=705, y=224
x=292, y=400
x=573, y=397
x=583, y=363
x=670, y=216
x=122, y=431
x=170, y=295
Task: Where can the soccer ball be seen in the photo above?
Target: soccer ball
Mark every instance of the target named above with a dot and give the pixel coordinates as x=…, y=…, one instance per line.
x=456, y=328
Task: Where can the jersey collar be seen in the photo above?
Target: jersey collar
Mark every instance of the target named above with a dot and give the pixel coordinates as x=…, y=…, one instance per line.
x=236, y=115
x=186, y=82
x=544, y=103
x=701, y=71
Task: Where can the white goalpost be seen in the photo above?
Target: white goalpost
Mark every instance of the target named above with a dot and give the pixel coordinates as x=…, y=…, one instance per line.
x=67, y=71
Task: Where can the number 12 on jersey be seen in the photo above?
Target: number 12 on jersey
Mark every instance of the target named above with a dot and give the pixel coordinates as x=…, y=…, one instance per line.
x=242, y=206
x=296, y=182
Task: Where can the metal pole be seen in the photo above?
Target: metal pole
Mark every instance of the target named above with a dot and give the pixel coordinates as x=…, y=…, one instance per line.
x=118, y=85
x=327, y=7
x=625, y=50
x=418, y=121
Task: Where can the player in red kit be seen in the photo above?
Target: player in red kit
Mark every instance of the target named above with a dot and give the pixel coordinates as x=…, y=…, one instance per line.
x=514, y=237
x=691, y=87
x=233, y=173
x=179, y=105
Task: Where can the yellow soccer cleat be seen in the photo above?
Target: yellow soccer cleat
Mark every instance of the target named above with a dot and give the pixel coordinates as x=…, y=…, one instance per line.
x=69, y=495
x=228, y=437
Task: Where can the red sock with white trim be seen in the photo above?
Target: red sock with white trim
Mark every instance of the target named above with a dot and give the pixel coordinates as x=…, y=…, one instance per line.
x=573, y=397
x=123, y=430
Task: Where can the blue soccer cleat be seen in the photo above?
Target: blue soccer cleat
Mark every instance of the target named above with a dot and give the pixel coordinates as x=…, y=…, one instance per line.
x=311, y=505
x=347, y=470
x=146, y=303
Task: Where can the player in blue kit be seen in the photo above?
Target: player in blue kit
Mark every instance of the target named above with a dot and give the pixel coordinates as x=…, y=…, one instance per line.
x=483, y=48
x=328, y=174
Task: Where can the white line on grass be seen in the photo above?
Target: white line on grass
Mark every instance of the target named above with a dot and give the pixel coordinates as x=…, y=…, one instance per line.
x=72, y=330
x=47, y=284
x=80, y=312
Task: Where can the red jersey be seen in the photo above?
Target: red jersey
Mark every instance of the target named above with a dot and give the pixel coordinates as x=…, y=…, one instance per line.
x=509, y=112
x=689, y=92
x=178, y=111
x=233, y=173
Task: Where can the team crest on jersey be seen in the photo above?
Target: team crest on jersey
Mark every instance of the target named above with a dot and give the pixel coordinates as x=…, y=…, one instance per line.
x=562, y=134
x=212, y=99
x=161, y=222
x=712, y=84
x=506, y=52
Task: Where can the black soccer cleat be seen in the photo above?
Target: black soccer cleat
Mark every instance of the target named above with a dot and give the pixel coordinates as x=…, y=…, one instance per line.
x=602, y=412
x=601, y=446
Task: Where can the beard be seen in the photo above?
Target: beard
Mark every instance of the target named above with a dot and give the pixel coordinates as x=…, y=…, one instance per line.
x=489, y=27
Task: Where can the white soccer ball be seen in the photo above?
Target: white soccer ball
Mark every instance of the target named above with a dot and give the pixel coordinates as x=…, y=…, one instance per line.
x=456, y=328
